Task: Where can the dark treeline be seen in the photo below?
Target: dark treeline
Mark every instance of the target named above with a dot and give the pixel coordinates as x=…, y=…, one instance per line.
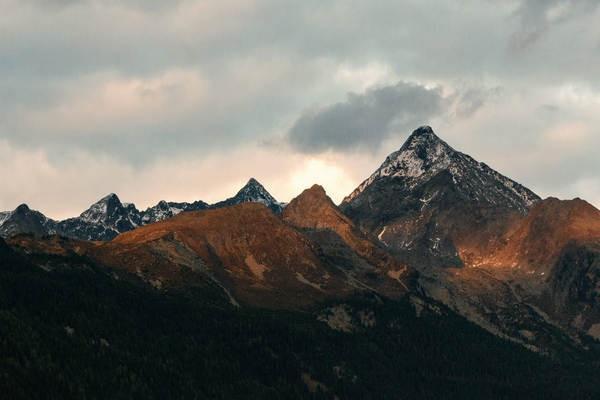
x=77, y=332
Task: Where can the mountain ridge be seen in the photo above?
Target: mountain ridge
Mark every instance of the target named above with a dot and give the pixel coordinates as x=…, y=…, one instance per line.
x=108, y=217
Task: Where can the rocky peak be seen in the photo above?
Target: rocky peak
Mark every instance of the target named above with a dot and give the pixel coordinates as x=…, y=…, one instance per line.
x=100, y=211
x=424, y=156
x=22, y=209
x=252, y=192
x=315, y=193
x=313, y=209
x=25, y=220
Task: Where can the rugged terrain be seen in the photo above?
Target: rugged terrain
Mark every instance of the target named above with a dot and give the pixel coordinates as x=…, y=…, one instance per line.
x=484, y=244
x=438, y=277
x=108, y=217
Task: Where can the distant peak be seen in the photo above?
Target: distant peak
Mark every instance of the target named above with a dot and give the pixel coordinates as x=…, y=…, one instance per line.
x=23, y=208
x=423, y=136
x=423, y=130
x=253, y=182
x=317, y=189
x=254, y=188
x=314, y=193
x=109, y=197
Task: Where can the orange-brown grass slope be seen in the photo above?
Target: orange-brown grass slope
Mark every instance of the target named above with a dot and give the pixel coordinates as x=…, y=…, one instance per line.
x=246, y=248
x=314, y=210
x=538, y=239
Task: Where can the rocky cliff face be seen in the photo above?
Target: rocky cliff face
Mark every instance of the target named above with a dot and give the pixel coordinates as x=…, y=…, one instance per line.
x=23, y=219
x=427, y=199
x=109, y=217
x=519, y=266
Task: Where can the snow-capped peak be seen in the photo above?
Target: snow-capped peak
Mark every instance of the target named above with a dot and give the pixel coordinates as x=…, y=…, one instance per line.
x=255, y=192
x=100, y=210
x=252, y=192
x=424, y=155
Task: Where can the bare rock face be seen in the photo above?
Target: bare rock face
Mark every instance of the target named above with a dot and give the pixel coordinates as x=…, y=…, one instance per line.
x=427, y=199
x=525, y=266
x=108, y=217
x=25, y=220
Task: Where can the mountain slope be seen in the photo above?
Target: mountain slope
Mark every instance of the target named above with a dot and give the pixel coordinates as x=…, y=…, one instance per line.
x=164, y=210
x=427, y=198
x=23, y=219
x=248, y=250
x=433, y=207
x=109, y=217
x=104, y=220
x=72, y=329
x=317, y=216
x=553, y=255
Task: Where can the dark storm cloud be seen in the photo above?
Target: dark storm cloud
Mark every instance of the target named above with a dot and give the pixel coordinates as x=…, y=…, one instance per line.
x=366, y=119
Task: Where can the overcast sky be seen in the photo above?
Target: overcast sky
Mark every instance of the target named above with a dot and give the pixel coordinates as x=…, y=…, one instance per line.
x=185, y=100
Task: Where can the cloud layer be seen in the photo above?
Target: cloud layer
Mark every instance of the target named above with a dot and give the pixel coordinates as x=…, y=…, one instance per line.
x=102, y=95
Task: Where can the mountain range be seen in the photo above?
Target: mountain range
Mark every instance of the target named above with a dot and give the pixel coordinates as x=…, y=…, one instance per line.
x=432, y=231
x=109, y=217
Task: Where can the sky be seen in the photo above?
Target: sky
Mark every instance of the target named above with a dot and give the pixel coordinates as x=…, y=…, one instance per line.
x=185, y=100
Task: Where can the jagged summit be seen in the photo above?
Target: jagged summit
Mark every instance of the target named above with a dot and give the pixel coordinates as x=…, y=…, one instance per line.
x=423, y=153
x=426, y=197
x=167, y=209
x=101, y=210
x=252, y=192
x=22, y=208
x=25, y=220
x=423, y=133
x=424, y=156
x=255, y=191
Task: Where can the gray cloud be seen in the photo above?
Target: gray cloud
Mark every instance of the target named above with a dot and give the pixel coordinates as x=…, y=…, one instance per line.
x=537, y=17
x=366, y=119
x=141, y=80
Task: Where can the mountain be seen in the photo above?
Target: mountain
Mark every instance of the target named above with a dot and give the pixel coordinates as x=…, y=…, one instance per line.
x=554, y=256
x=536, y=241
x=164, y=210
x=484, y=245
x=109, y=217
x=23, y=219
x=104, y=220
x=343, y=243
x=252, y=192
x=427, y=199
x=252, y=254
